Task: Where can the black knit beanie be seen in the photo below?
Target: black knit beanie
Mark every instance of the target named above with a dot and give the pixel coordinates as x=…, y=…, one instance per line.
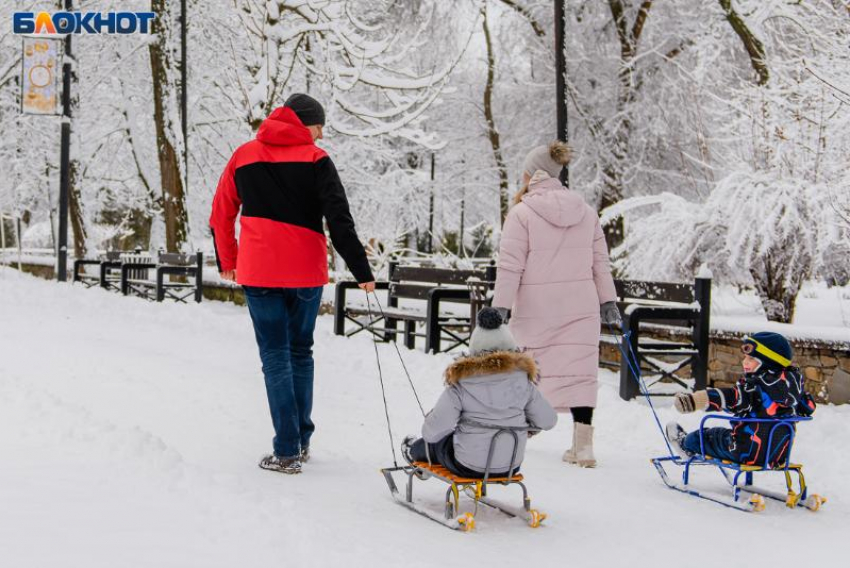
x=308, y=109
x=491, y=334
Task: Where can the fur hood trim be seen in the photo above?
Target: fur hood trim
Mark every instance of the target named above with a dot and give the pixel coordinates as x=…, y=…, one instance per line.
x=491, y=364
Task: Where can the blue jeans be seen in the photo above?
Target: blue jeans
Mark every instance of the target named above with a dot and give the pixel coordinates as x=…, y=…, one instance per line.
x=284, y=320
x=716, y=442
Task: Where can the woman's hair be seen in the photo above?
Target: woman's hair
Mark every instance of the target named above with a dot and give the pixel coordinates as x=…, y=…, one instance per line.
x=560, y=152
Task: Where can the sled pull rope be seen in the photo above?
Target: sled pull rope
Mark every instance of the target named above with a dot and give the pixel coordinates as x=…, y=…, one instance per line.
x=634, y=365
x=400, y=358
x=381, y=378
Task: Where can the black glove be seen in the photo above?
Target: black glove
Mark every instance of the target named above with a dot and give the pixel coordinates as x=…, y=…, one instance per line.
x=610, y=314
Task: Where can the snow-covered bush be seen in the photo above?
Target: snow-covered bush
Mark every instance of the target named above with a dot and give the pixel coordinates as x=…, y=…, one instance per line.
x=755, y=229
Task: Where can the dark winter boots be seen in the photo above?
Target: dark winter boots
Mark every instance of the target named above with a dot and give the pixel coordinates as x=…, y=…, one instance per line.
x=281, y=465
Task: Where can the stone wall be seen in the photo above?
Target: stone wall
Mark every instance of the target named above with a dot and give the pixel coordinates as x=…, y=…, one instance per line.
x=42, y=271
x=825, y=364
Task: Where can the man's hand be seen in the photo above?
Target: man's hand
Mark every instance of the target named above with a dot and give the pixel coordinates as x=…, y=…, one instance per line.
x=228, y=275
x=367, y=286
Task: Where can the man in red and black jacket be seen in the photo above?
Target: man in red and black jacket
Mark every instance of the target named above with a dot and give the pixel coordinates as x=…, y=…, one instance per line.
x=284, y=186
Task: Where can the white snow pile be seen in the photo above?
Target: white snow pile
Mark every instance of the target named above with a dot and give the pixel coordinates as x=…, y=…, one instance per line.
x=130, y=434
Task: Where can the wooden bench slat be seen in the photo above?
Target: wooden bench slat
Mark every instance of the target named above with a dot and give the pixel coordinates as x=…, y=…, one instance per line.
x=392, y=313
x=421, y=291
x=435, y=275
x=175, y=259
x=656, y=291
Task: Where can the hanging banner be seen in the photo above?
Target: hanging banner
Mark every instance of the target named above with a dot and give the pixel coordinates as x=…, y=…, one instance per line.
x=40, y=83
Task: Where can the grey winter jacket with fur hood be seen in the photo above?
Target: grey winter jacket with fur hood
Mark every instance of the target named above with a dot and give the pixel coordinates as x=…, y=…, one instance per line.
x=496, y=389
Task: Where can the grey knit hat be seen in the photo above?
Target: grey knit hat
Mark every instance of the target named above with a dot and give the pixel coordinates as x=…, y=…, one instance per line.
x=491, y=334
x=549, y=158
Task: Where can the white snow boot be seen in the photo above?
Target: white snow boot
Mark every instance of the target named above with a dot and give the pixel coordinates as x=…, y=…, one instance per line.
x=570, y=455
x=581, y=454
x=676, y=436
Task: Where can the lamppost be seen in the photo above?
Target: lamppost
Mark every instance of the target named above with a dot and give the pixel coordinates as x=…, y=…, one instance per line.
x=65, y=157
x=561, y=80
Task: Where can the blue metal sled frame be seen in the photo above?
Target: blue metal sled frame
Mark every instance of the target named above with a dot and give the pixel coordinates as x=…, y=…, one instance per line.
x=733, y=472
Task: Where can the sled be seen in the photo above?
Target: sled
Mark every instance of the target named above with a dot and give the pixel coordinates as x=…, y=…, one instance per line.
x=475, y=488
x=744, y=496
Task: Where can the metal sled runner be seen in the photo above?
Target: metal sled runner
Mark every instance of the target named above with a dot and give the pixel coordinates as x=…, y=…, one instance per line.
x=476, y=489
x=744, y=495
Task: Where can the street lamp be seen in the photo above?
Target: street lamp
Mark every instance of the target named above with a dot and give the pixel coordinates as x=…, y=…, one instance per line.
x=65, y=157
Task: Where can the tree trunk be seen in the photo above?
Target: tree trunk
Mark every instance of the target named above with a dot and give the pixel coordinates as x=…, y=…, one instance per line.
x=75, y=208
x=628, y=36
x=492, y=131
x=166, y=120
x=777, y=285
x=753, y=45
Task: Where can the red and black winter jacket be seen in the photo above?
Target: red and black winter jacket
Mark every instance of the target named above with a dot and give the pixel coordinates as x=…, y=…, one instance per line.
x=284, y=185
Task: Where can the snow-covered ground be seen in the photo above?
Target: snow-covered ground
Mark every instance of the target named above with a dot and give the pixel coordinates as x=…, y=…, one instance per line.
x=130, y=432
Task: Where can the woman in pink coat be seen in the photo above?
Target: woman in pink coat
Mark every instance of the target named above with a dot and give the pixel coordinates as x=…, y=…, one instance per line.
x=555, y=276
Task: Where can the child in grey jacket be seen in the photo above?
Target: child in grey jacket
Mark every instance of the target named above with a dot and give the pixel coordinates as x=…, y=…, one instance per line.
x=491, y=388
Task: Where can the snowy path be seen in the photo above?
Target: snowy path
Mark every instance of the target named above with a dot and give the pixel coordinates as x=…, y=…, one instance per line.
x=130, y=432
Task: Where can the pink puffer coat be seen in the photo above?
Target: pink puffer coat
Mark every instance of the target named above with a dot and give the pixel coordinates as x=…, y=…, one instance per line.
x=554, y=273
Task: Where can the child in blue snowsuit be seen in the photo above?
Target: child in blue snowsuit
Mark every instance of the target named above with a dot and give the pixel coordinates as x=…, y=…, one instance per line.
x=770, y=388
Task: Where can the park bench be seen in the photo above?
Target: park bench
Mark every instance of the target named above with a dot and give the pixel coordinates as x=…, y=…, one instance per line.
x=106, y=263
x=679, y=314
x=408, y=287
x=109, y=268
x=188, y=268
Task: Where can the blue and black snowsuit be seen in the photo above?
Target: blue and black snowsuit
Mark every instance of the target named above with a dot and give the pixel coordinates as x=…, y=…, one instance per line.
x=767, y=393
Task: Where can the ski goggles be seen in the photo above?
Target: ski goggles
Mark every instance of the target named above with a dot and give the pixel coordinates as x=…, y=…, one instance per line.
x=751, y=346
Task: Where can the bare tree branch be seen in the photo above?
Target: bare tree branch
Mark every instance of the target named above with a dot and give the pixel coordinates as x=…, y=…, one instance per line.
x=640, y=20
x=525, y=13
x=492, y=131
x=753, y=45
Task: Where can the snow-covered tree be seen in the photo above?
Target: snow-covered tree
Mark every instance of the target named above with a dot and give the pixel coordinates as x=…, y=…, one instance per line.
x=778, y=154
